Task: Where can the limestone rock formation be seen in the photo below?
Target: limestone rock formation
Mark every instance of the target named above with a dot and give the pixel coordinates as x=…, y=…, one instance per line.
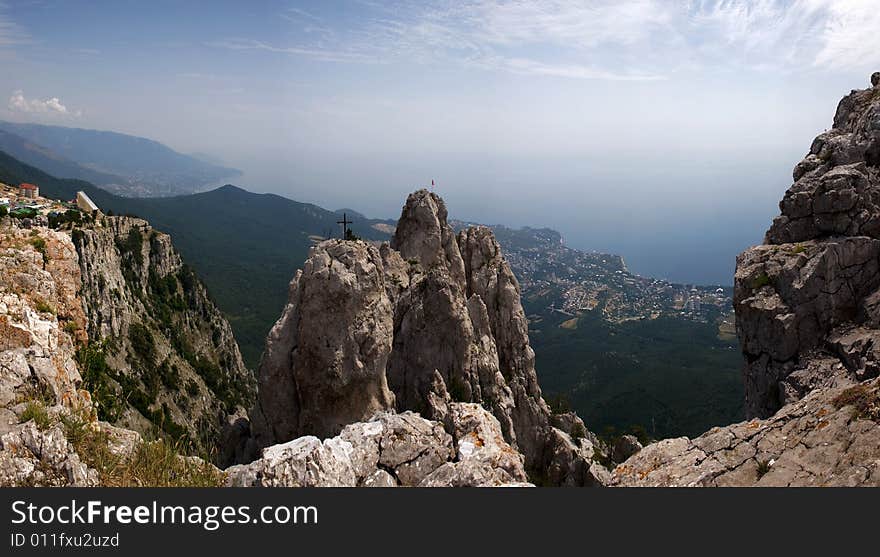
x=830, y=438
x=483, y=457
x=325, y=359
x=33, y=457
x=624, y=447
x=41, y=319
x=70, y=304
x=807, y=318
x=816, y=278
x=430, y=320
x=424, y=237
x=168, y=350
x=392, y=450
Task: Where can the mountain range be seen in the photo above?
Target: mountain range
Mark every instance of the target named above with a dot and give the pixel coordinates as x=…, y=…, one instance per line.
x=123, y=164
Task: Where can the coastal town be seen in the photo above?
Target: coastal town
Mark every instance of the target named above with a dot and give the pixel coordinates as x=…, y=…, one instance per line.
x=573, y=282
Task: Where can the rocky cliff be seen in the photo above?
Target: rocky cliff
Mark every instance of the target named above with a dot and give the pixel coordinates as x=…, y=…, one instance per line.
x=160, y=353
x=99, y=323
x=41, y=320
x=423, y=323
x=408, y=364
x=808, y=318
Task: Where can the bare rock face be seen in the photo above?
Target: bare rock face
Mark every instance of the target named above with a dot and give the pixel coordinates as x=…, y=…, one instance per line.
x=624, y=447
x=325, y=359
x=442, y=344
x=810, y=292
x=830, y=438
x=41, y=319
x=424, y=237
x=422, y=324
x=470, y=329
x=31, y=457
x=391, y=450
x=807, y=317
x=171, y=359
x=483, y=457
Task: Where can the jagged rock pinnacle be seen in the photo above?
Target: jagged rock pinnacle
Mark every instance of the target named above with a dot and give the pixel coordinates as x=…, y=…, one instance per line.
x=324, y=364
x=426, y=322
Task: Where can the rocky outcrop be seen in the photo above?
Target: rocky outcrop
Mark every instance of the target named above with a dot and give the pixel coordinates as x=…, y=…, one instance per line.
x=624, y=447
x=41, y=319
x=32, y=457
x=393, y=450
x=430, y=320
x=490, y=280
x=325, y=359
x=106, y=317
x=810, y=291
x=423, y=236
x=830, y=438
x=807, y=318
x=156, y=340
x=71, y=304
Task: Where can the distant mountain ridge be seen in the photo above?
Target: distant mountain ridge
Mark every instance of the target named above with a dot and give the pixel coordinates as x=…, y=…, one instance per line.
x=123, y=164
x=44, y=158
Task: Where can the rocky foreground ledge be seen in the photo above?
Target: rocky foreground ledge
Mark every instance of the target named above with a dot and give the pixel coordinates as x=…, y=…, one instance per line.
x=830, y=438
x=394, y=450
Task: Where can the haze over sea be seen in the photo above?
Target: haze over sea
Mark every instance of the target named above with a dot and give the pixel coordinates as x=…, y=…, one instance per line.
x=688, y=230
x=661, y=130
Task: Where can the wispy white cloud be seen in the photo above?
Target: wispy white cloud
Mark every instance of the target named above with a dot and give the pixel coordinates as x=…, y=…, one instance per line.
x=322, y=54
x=573, y=71
x=561, y=22
x=298, y=14
x=791, y=34
x=51, y=106
x=851, y=34
x=598, y=39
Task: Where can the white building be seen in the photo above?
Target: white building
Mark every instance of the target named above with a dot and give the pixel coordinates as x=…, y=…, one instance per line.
x=85, y=203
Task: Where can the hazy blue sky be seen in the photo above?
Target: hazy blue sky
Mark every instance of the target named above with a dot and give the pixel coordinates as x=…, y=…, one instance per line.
x=663, y=130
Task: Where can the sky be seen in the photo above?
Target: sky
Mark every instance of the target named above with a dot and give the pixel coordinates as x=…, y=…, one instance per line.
x=662, y=130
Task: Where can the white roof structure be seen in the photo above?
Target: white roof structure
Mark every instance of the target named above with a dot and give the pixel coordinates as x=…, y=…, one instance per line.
x=85, y=203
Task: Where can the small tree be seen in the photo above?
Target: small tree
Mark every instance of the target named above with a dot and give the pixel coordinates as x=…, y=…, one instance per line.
x=349, y=235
